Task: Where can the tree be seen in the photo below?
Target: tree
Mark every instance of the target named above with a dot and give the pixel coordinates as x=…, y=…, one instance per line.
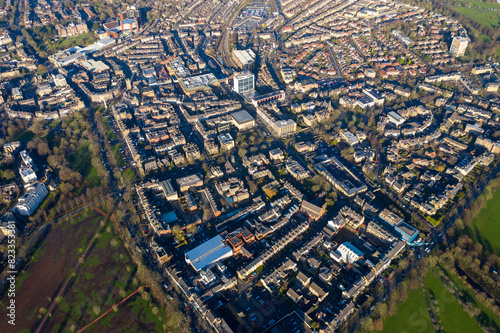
x=43, y=148
x=381, y=310
x=242, y=152
x=366, y=324
x=378, y=325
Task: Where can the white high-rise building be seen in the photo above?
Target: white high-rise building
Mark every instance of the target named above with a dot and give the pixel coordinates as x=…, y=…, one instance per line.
x=244, y=82
x=29, y=201
x=458, y=46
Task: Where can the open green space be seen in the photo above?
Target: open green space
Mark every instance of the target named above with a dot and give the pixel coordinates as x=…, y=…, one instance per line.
x=107, y=127
x=411, y=316
x=473, y=3
x=484, y=16
x=107, y=276
x=54, y=123
x=486, y=317
x=128, y=175
x=118, y=155
x=451, y=314
x=484, y=228
x=26, y=136
x=51, y=261
x=81, y=161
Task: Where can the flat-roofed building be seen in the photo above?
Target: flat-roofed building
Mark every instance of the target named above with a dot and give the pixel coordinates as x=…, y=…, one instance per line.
x=389, y=218
x=342, y=178
x=276, y=155
x=169, y=191
x=190, y=181
x=244, y=82
x=226, y=141
x=29, y=201
x=458, y=46
x=94, y=66
x=406, y=232
x=208, y=253
x=242, y=120
x=244, y=59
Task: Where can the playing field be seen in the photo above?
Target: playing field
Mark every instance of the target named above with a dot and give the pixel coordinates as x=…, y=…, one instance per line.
x=487, y=317
x=105, y=277
x=485, y=227
x=486, y=17
x=450, y=312
x=47, y=270
x=412, y=315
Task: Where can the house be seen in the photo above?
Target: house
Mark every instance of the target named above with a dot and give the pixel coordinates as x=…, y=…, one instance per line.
x=312, y=210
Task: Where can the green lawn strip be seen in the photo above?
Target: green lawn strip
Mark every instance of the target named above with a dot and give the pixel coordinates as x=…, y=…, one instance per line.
x=483, y=16
x=451, y=314
x=47, y=200
x=484, y=228
x=26, y=136
x=128, y=175
x=81, y=160
x=487, y=316
x=118, y=155
x=107, y=127
x=411, y=316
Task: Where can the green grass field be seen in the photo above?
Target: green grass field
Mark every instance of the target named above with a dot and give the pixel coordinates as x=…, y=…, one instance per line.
x=128, y=175
x=450, y=312
x=487, y=317
x=107, y=127
x=26, y=136
x=484, y=228
x=486, y=17
x=119, y=158
x=412, y=315
x=80, y=160
x=106, y=277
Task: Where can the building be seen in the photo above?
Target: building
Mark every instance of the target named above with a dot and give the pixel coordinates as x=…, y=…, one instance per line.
x=226, y=141
x=348, y=137
x=296, y=169
x=129, y=25
x=27, y=174
x=190, y=181
x=59, y=80
x=349, y=253
x=406, y=232
x=26, y=158
x=273, y=96
x=169, y=191
x=244, y=59
x=312, y=210
x=280, y=128
x=458, y=46
x=242, y=120
x=208, y=253
x=29, y=201
x=7, y=225
x=72, y=29
x=276, y=155
x=389, y=218
x=341, y=177
x=244, y=82
x=395, y=118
